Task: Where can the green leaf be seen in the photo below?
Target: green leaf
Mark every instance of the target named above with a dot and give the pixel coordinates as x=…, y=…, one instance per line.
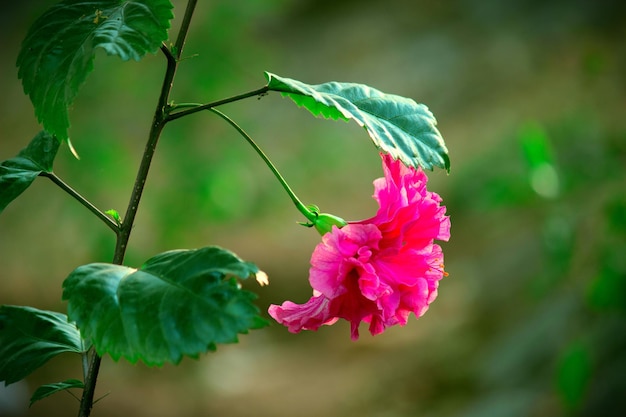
x=17, y=174
x=397, y=125
x=49, y=389
x=178, y=303
x=115, y=215
x=58, y=51
x=30, y=337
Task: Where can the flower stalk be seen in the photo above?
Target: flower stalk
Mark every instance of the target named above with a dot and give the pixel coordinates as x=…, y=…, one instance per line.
x=323, y=222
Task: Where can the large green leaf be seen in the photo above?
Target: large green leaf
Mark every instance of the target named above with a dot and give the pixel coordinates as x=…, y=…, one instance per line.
x=49, y=389
x=58, y=51
x=178, y=303
x=30, y=337
x=16, y=174
x=397, y=125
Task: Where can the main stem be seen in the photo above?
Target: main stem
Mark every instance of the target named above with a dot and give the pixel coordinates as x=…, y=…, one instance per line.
x=123, y=233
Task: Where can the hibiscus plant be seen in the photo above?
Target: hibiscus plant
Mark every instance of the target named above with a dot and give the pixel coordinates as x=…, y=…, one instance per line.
x=185, y=302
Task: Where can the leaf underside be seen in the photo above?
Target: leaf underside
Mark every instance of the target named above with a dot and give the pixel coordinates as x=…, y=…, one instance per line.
x=30, y=337
x=179, y=303
x=397, y=125
x=58, y=51
x=18, y=173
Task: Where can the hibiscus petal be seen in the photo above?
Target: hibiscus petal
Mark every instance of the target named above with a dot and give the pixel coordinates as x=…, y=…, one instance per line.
x=309, y=316
x=332, y=259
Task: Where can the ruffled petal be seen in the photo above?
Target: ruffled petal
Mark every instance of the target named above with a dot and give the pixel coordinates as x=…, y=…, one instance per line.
x=308, y=316
x=334, y=258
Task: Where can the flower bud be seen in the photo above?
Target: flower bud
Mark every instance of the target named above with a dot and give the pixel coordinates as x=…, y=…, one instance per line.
x=324, y=223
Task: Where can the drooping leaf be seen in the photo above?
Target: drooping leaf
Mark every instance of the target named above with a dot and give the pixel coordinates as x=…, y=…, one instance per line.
x=16, y=174
x=30, y=337
x=49, y=389
x=58, y=51
x=178, y=303
x=397, y=125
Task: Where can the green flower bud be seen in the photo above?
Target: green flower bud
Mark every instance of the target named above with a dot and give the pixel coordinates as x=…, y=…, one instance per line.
x=324, y=223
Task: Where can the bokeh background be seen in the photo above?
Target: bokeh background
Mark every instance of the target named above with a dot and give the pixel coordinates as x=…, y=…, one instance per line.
x=531, y=99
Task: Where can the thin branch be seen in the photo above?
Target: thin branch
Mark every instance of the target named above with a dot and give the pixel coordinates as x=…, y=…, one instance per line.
x=184, y=28
x=209, y=106
x=176, y=106
x=103, y=397
x=72, y=394
x=82, y=200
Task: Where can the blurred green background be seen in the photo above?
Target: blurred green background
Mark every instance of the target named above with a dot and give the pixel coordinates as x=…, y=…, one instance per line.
x=531, y=99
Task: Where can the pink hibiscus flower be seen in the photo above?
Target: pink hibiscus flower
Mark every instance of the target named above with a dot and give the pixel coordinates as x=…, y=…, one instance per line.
x=381, y=269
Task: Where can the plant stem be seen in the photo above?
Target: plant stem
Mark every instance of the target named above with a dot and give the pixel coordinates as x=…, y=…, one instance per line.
x=311, y=216
x=85, y=359
x=82, y=200
x=209, y=106
x=158, y=123
x=123, y=235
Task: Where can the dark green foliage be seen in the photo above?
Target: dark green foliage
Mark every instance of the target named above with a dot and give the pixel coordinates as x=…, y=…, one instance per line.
x=59, y=49
x=49, y=389
x=16, y=174
x=30, y=337
x=397, y=125
x=178, y=303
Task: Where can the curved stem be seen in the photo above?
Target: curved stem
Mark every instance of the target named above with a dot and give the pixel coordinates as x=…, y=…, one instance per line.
x=123, y=235
x=310, y=215
x=82, y=200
